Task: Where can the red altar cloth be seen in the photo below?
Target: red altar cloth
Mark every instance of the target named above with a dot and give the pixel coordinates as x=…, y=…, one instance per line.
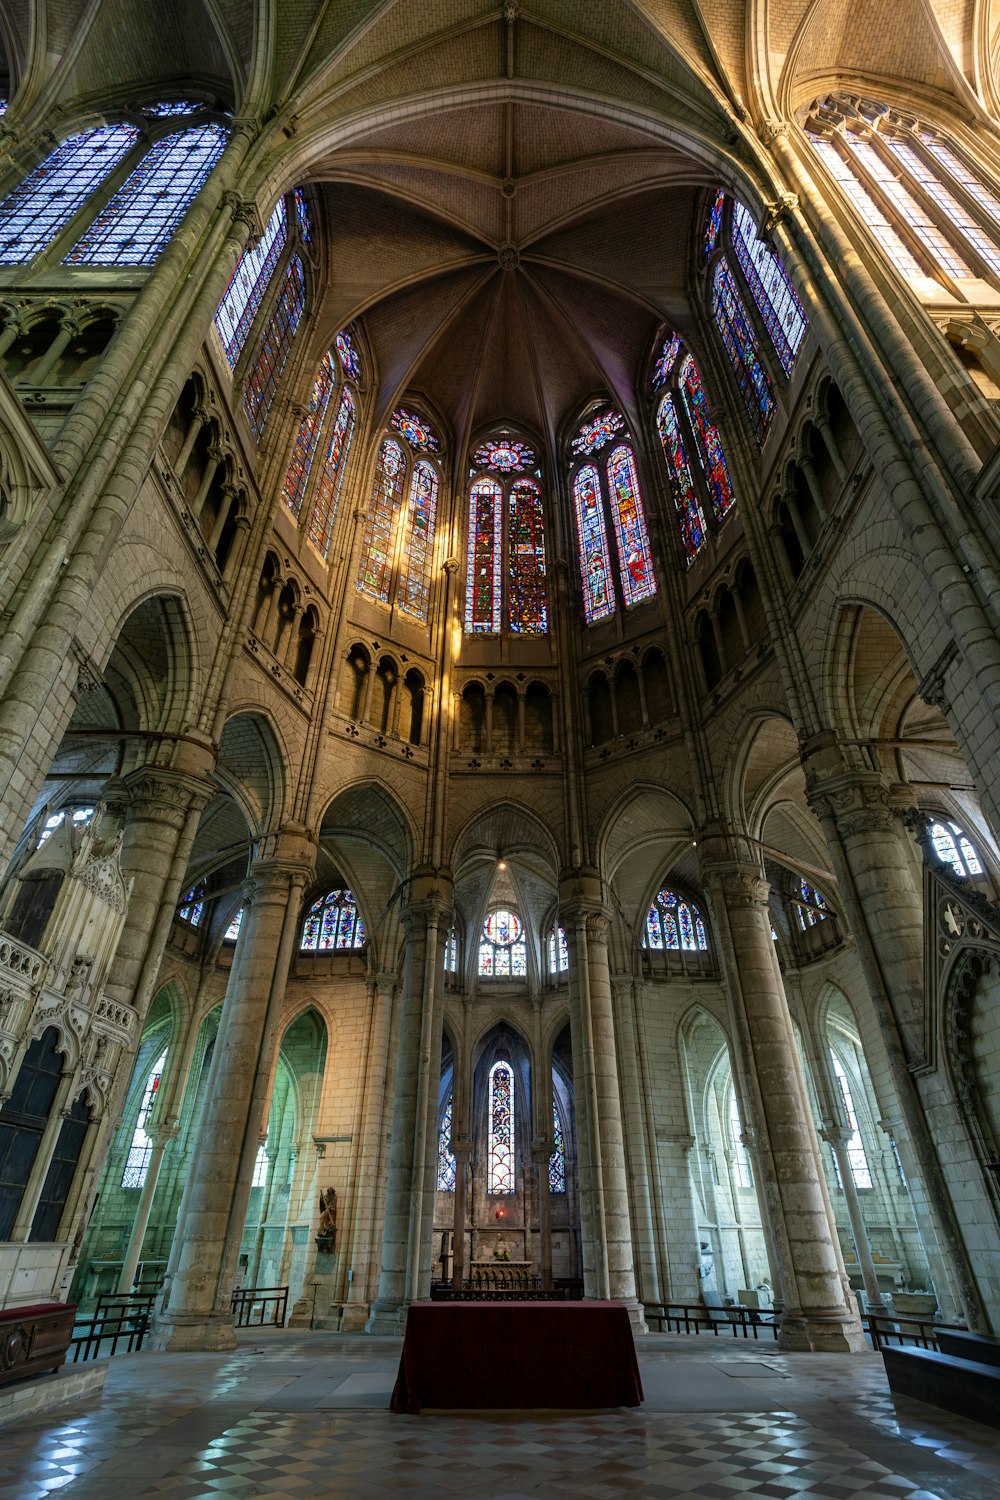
x=477, y=1355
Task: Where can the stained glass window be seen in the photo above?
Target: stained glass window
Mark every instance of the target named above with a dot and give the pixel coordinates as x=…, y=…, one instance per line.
x=503, y=952
x=232, y=932
x=275, y=346
x=954, y=848
x=43, y=204
x=635, y=561
x=484, y=558
x=593, y=435
x=741, y=1157
x=772, y=291
x=348, y=355
x=714, y=224
x=501, y=1133
x=141, y=1147
x=446, y=1161
x=141, y=217
x=375, y=575
x=260, y=1165
x=451, y=951
x=528, y=603
x=192, y=905
x=909, y=209
x=689, y=511
x=867, y=209
x=78, y=816
x=331, y=475
x=302, y=215
x=249, y=283
x=415, y=430
x=811, y=906
x=666, y=359
x=557, y=1161
x=856, y=1154
x=304, y=448
x=418, y=542
x=333, y=923
x=674, y=923
x=165, y=110
x=741, y=345
x=558, y=951
x=592, y=535
x=504, y=456
x=708, y=444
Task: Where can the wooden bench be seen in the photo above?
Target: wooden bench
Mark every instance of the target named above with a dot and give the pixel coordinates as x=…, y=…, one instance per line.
x=965, y=1386
x=966, y=1345
x=34, y=1340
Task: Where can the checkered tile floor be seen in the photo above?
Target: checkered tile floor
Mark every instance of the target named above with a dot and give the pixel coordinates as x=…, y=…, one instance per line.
x=267, y=1421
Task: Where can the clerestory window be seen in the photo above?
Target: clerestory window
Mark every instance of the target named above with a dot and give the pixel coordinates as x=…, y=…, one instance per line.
x=397, y=546
x=696, y=462
x=315, y=475
x=675, y=923
x=610, y=518
x=506, y=585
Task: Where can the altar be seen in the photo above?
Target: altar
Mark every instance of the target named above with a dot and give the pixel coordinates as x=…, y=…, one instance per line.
x=512, y=1274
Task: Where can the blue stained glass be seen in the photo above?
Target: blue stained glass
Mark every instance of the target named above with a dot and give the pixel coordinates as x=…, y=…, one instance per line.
x=192, y=905
x=528, y=603
x=141, y=217
x=446, y=1162
x=741, y=345
x=275, y=346
x=349, y=357
x=302, y=215
x=689, y=511
x=249, y=283
x=635, y=560
x=593, y=435
x=324, y=509
x=675, y=924
x=501, y=1132
x=666, y=360
x=166, y=111
x=418, y=546
x=772, y=291
x=484, y=558
x=813, y=907
x=595, y=560
x=304, y=449
x=504, y=456
x=708, y=444
x=557, y=1161
x=415, y=430
x=503, y=952
x=375, y=574
x=714, y=224
x=333, y=924
x=43, y=204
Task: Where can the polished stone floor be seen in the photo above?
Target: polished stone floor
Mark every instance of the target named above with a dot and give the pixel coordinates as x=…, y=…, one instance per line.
x=304, y=1415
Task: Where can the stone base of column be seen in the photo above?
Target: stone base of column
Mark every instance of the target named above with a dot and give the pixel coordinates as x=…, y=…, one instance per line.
x=354, y=1317
x=387, y=1319
x=814, y=1333
x=184, y=1335
x=636, y=1313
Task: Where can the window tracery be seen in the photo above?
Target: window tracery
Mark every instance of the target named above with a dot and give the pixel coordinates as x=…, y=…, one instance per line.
x=447, y=1166
x=43, y=204
x=192, y=905
x=248, y=286
x=922, y=198
x=501, y=1130
x=141, y=1146
x=503, y=951
x=685, y=425
x=333, y=924
x=320, y=433
x=274, y=348
x=740, y=343
x=605, y=490
x=557, y=1161
x=397, y=546
x=78, y=817
x=674, y=923
x=558, y=951
x=506, y=585
x=954, y=847
x=139, y=221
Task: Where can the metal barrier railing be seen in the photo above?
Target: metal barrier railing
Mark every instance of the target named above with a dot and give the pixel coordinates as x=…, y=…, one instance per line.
x=253, y=1306
x=909, y=1333
x=696, y=1318
x=126, y=1325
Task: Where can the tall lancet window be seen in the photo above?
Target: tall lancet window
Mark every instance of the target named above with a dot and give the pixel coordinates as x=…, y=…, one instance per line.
x=770, y=288
x=274, y=347
x=249, y=284
x=315, y=476
x=696, y=463
x=740, y=341
x=607, y=502
x=141, y=1147
x=397, y=548
x=500, y=1169
x=557, y=1161
x=447, y=1165
x=42, y=205
x=922, y=196
x=505, y=578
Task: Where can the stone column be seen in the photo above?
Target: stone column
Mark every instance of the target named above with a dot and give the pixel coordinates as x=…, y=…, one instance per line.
x=369, y=1155
x=426, y=915
x=818, y=1313
x=195, y=1312
x=461, y=1150
x=837, y=1137
x=607, y=1222
x=68, y=328
x=199, y=418
x=161, y=1136
x=883, y=907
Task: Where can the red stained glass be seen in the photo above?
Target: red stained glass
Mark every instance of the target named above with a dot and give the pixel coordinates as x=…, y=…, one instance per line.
x=274, y=349
x=375, y=574
x=331, y=475
x=592, y=536
x=418, y=545
x=708, y=444
x=528, y=604
x=304, y=449
x=635, y=561
x=483, y=559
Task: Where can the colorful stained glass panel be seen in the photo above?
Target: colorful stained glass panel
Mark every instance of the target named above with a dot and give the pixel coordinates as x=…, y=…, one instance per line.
x=714, y=225
x=528, y=602
x=304, y=449
x=331, y=476
x=780, y=308
x=415, y=430
x=446, y=1162
x=689, y=511
x=333, y=924
x=593, y=435
x=504, y=456
x=635, y=560
x=557, y=1161
x=501, y=1131
x=275, y=346
x=740, y=343
x=349, y=357
x=43, y=204
x=708, y=444
x=666, y=360
x=484, y=559
x=141, y=217
x=418, y=542
x=592, y=537
x=375, y=574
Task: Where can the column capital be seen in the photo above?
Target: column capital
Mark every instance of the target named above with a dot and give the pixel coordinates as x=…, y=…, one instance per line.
x=837, y=1136
x=161, y=794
